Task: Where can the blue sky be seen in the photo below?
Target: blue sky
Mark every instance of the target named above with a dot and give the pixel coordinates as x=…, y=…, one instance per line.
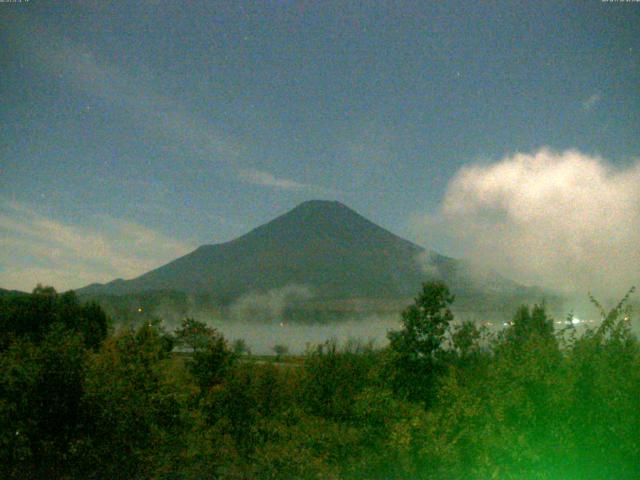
x=135, y=131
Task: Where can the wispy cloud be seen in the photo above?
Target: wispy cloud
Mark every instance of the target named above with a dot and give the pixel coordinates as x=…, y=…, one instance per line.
x=266, y=179
x=37, y=249
x=138, y=95
x=590, y=102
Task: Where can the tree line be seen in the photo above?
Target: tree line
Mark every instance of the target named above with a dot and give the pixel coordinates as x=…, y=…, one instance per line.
x=442, y=401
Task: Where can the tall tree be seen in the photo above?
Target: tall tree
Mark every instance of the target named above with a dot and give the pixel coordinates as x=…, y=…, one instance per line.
x=418, y=348
x=193, y=334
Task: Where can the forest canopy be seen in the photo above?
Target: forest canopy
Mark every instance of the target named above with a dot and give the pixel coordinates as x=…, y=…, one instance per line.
x=444, y=400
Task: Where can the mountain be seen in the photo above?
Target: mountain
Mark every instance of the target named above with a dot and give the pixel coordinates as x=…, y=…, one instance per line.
x=323, y=246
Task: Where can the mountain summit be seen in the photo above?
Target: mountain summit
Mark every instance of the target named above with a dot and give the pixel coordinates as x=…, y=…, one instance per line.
x=323, y=245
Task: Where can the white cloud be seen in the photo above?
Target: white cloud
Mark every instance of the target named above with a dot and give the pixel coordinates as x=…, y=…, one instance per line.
x=565, y=220
x=590, y=102
x=266, y=179
x=36, y=249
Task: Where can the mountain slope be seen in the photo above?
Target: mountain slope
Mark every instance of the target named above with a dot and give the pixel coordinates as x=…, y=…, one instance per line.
x=10, y=293
x=323, y=245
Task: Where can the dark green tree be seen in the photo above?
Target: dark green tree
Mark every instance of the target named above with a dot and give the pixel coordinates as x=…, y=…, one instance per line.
x=529, y=323
x=240, y=347
x=93, y=325
x=280, y=350
x=132, y=410
x=418, y=348
x=465, y=341
x=31, y=317
x=211, y=362
x=41, y=386
x=193, y=334
x=333, y=377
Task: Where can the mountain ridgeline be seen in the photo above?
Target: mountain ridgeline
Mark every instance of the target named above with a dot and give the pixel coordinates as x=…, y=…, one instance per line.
x=324, y=246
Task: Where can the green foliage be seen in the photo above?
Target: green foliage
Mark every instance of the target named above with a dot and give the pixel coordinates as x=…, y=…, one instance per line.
x=333, y=378
x=303, y=447
x=41, y=387
x=31, y=317
x=465, y=340
x=193, y=334
x=531, y=410
x=419, y=347
x=45, y=340
x=280, y=350
x=441, y=402
x=133, y=412
x=211, y=362
x=240, y=347
x=93, y=325
x=529, y=323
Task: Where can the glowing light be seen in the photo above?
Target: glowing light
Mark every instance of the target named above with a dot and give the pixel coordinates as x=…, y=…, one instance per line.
x=576, y=321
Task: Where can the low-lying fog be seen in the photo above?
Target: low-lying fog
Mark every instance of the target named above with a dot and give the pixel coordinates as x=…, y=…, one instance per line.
x=261, y=321
x=298, y=337
x=261, y=338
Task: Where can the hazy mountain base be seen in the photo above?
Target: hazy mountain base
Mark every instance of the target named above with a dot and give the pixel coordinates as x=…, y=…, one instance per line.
x=321, y=251
x=292, y=317
x=322, y=265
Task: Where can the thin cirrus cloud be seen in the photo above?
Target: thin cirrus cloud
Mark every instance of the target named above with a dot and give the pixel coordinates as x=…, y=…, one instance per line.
x=37, y=249
x=136, y=94
x=565, y=220
x=266, y=179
